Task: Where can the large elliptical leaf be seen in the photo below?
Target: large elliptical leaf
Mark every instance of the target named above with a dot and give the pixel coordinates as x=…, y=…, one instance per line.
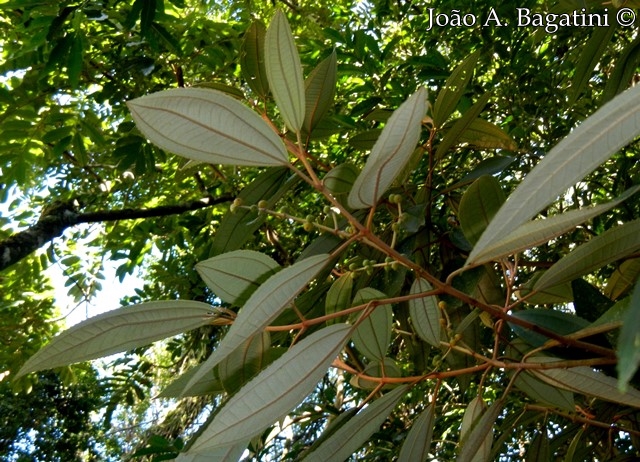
x=264, y=305
x=418, y=441
x=587, y=381
x=353, y=434
x=391, y=153
x=208, y=126
x=478, y=205
x=538, y=232
x=238, y=226
x=629, y=341
x=373, y=335
x=233, y=276
x=613, y=244
x=594, y=141
x=232, y=453
x=252, y=58
x=453, y=89
x=320, y=88
x=275, y=391
x=425, y=313
x=284, y=71
x=120, y=330
x=476, y=439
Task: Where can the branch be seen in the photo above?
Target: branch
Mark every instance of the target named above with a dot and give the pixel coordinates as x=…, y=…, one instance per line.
x=57, y=219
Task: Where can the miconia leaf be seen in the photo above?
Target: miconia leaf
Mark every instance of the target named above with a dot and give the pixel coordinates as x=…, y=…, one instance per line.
x=340, y=179
x=373, y=334
x=365, y=140
x=561, y=293
x=488, y=166
x=274, y=391
x=612, y=245
x=391, y=152
x=320, y=88
x=591, y=143
x=234, y=276
x=231, y=453
x=476, y=441
x=539, y=232
x=418, y=441
x=353, y=434
x=485, y=135
x=264, y=305
x=245, y=362
x=284, y=71
x=209, y=126
x=629, y=341
x=120, y=330
x=252, y=58
x=385, y=368
x=545, y=393
x=339, y=295
x=556, y=321
x=210, y=385
x=454, y=87
x=425, y=313
x=238, y=226
x=478, y=205
x=590, y=54
x=622, y=279
x=587, y=381
x=453, y=134
x=538, y=450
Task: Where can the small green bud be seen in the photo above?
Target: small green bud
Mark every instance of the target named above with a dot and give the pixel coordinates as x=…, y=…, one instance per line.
x=263, y=204
x=308, y=226
x=395, y=198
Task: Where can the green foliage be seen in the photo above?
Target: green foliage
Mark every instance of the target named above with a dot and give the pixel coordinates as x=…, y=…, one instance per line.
x=400, y=268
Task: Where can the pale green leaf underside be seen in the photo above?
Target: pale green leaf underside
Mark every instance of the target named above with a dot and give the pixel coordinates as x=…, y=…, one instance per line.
x=622, y=279
x=276, y=390
x=209, y=385
x=264, y=305
x=120, y=330
x=284, y=71
x=629, y=341
x=538, y=232
x=478, y=205
x=232, y=274
x=418, y=441
x=373, y=335
x=353, y=434
x=391, y=152
x=231, y=453
x=453, y=89
x=425, y=313
x=208, y=126
x=453, y=134
x=606, y=248
x=252, y=58
x=477, y=444
x=320, y=88
x=585, y=380
x=594, y=141
x=545, y=393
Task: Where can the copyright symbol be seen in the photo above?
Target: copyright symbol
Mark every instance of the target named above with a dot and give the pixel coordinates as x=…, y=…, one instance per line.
x=626, y=17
